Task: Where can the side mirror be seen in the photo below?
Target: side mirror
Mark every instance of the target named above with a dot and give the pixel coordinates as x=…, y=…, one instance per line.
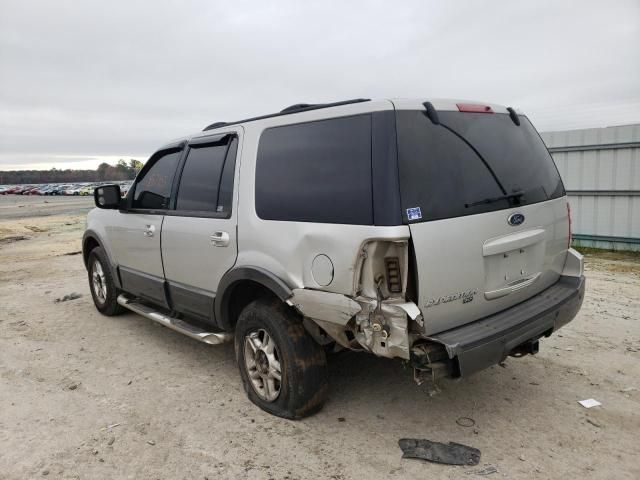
x=107, y=196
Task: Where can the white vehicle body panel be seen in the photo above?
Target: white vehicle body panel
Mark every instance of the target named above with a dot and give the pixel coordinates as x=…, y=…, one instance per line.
x=132, y=247
x=468, y=257
x=194, y=259
x=288, y=248
x=190, y=253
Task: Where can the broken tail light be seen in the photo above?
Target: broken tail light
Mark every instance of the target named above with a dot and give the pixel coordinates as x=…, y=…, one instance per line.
x=394, y=277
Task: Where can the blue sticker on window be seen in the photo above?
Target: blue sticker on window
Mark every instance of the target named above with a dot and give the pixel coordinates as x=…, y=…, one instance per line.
x=414, y=213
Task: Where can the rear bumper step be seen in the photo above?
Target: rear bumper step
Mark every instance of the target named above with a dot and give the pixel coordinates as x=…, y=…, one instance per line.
x=490, y=340
x=212, y=338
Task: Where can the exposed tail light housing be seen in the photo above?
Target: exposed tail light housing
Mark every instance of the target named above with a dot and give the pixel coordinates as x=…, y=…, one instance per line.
x=570, y=232
x=382, y=269
x=474, y=108
x=394, y=277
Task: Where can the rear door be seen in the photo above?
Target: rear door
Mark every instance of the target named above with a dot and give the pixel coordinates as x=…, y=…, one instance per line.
x=486, y=210
x=199, y=241
x=135, y=233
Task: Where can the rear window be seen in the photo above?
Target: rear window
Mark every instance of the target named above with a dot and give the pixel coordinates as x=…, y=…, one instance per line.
x=471, y=163
x=316, y=172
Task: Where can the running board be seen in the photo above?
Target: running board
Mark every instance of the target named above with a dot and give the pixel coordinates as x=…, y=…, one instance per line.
x=212, y=338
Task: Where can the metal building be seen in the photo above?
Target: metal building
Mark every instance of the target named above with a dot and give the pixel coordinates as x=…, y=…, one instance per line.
x=600, y=168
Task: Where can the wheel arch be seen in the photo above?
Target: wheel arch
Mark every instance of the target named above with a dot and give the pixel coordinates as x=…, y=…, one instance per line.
x=89, y=242
x=240, y=286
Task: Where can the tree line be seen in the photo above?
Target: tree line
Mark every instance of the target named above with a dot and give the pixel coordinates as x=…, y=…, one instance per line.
x=121, y=171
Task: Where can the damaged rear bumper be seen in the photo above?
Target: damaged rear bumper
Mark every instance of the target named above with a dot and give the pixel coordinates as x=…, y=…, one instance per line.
x=488, y=341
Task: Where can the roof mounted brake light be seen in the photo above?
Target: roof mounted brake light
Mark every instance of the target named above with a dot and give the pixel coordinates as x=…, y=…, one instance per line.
x=474, y=108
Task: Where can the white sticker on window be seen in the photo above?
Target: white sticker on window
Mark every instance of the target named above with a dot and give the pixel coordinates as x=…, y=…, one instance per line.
x=414, y=213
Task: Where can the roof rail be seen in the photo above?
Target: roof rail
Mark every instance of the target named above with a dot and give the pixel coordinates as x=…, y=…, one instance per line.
x=216, y=125
x=297, y=108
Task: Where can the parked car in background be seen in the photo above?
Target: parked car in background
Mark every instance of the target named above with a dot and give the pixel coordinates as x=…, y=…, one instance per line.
x=124, y=188
x=40, y=190
x=51, y=189
x=87, y=189
x=27, y=189
x=59, y=189
x=70, y=190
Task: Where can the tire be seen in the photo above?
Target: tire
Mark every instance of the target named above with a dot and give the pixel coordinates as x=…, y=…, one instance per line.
x=303, y=384
x=103, y=289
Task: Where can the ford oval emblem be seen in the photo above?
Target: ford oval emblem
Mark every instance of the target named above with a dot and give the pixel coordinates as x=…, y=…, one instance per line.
x=515, y=219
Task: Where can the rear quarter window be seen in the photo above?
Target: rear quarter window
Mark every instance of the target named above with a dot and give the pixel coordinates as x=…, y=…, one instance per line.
x=316, y=172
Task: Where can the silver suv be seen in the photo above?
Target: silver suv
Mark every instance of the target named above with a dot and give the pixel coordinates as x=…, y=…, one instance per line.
x=437, y=232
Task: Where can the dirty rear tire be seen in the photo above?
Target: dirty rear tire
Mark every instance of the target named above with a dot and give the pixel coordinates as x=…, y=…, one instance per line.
x=304, y=384
x=109, y=306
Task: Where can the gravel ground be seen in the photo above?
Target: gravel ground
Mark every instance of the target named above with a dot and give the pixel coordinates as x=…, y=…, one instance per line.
x=86, y=396
x=20, y=207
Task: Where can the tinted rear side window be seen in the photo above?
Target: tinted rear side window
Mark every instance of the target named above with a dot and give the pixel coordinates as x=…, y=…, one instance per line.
x=316, y=172
x=468, y=163
x=201, y=183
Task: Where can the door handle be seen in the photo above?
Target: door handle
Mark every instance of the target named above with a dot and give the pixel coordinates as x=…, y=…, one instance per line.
x=220, y=239
x=149, y=230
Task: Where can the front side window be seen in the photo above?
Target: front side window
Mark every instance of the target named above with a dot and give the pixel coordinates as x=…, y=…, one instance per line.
x=316, y=172
x=153, y=188
x=206, y=184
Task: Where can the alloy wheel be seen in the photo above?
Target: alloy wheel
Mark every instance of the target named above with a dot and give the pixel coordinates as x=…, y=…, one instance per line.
x=262, y=361
x=98, y=282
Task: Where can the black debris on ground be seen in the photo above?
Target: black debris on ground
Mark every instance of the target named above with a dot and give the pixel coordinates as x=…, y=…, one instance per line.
x=66, y=298
x=450, y=454
x=14, y=238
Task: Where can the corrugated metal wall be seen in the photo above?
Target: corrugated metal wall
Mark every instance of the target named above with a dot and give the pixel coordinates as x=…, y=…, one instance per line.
x=600, y=168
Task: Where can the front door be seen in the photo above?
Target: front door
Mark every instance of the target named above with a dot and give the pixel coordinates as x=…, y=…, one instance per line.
x=199, y=242
x=136, y=232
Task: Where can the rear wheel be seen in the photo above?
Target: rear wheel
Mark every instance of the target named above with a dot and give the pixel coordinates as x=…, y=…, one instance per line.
x=283, y=370
x=101, y=284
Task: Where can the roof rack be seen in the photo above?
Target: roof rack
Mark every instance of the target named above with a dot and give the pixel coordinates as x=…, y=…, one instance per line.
x=297, y=108
x=216, y=125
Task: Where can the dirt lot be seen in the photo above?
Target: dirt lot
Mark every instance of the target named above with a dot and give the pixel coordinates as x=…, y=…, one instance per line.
x=85, y=396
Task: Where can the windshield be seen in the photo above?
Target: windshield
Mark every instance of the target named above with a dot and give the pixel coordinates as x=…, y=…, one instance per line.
x=471, y=163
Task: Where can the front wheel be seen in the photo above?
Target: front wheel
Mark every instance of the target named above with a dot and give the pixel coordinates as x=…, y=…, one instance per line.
x=283, y=370
x=103, y=288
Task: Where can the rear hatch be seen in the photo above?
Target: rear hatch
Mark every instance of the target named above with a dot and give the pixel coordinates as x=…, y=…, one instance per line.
x=486, y=209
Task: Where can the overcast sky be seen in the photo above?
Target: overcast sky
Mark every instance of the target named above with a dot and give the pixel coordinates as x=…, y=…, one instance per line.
x=86, y=81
